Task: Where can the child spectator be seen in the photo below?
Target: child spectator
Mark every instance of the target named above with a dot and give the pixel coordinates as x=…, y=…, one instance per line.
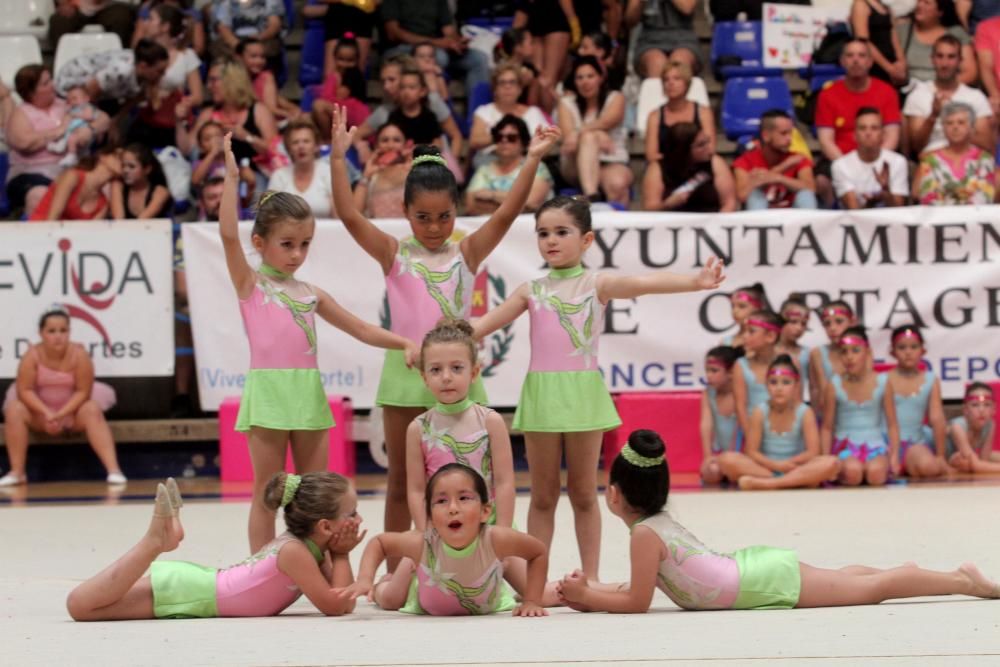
x=87, y=125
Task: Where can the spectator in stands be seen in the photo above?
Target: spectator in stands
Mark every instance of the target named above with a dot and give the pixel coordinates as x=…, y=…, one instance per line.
x=592, y=119
x=677, y=109
x=419, y=123
x=88, y=126
x=250, y=52
x=353, y=21
x=693, y=178
x=769, y=176
x=235, y=108
x=871, y=21
x=506, y=93
x=516, y=45
x=73, y=15
x=837, y=107
x=599, y=45
x=78, y=193
x=410, y=23
x=870, y=176
x=988, y=55
x=207, y=210
x=424, y=55
x=923, y=106
x=55, y=393
x=194, y=26
x=972, y=12
x=305, y=176
x=667, y=34
x=345, y=86
x=379, y=193
x=167, y=28
x=930, y=20
x=6, y=109
x=960, y=172
x=492, y=181
x=142, y=192
x=232, y=20
x=39, y=119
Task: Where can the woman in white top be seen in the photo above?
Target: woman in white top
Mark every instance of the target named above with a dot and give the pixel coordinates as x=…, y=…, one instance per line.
x=507, y=89
x=166, y=27
x=592, y=120
x=302, y=177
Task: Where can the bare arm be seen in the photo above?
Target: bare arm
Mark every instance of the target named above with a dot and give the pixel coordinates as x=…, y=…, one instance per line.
x=919, y=128
x=63, y=189
x=540, y=191
x=392, y=545
x=156, y=203
x=611, y=116
x=269, y=96
x=118, y=200
x=239, y=270
x=724, y=185
x=935, y=415
x=503, y=469
x=754, y=438
x=633, y=13
x=740, y=398
x=645, y=549
x=24, y=138
x=810, y=437
x=890, y=136
x=511, y=543
x=988, y=76
x=297, y=562
x=504, y=314
x=982, y=135
x=827, y=145
x=611, y=286
x=652, y=143
x=817, y=380
x=892, y=425
x=829, y=419
x=83, y=376
x=969, y=72
x=27, y=372
x=963, y=8
x=195, y=88
x=416, y=476
x=271, y=30
x=706, y=427
x=352, y=325
x=450, y=128
x=479, y=135
x=742, y=183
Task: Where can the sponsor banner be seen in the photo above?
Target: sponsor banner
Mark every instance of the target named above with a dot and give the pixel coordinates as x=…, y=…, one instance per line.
x=937, y=267
x=792, y=32
x=114, y=279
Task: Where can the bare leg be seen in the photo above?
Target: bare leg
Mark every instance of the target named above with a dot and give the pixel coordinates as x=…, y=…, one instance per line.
x=544, y=453
x=583, y=452
x=322, y=115
x=652, y=63
x=710, y=471
x=877, y=471
x=921, y=462
x=588, y=165
x=835, y=588
x=808, y=475
x=652, y=186
x=686, y=56
x=310, y=452
x=118, y=592
x=391, y=591
x=852, y=471
x=17, y=419
x=267, y=454
x=616, y=181
x=550, y=56
x=734, y=465
x=983, y=466
x=397, y=512
x=90, y=419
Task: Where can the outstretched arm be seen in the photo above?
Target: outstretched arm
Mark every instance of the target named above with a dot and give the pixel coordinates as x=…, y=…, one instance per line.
x=393, y=545
x=351, y=324
x=381, y=246
x=502, y=315
x=236, y=261
x=416, y=476
x=477, y=246
x=646, y=550
x=611, y=286
x=509, y=542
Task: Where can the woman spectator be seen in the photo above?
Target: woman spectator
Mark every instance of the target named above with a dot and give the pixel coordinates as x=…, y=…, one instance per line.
x=692, y=179
x=379, y=193
x=39, y=119
x=78, y=193
x=142, y=192
x=917, y=33
x=959, y=173
x=667, y=34
x=55, y=393
x=678, y=109
x=305, y=177
x=506, y=93
x=871, y=21
x=492, y=181
x=250, y=51
x=236, y=109
x=194, y=26
x=592, y=120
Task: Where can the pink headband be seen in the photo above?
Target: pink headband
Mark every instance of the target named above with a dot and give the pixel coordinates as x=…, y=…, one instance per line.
x=978, y=398
x=854, y=340
x=783, y=370
x=804, y=314
x=749, y=298
x=711, y=362
x=836, y=310
x=907, y=333
x=754, y=322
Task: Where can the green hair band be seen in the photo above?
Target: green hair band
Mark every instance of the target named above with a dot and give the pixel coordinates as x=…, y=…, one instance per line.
x=637, y=459
x=292, y=483
x=434, y=159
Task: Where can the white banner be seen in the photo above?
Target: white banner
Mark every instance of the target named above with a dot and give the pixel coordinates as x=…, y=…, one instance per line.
x=792, y=32
x=938, y=267
x=114, y=278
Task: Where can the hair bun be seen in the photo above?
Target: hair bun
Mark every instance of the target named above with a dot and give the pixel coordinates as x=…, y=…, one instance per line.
x=426, y=149
x=647, y=443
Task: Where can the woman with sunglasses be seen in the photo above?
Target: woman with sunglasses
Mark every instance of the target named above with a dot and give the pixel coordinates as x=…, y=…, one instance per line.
x=492, y=181
x=507, y=91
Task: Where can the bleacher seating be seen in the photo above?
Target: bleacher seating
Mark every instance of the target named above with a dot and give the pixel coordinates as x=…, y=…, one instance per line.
x=481, y=95
x=745, y=99
x=18, y=51
x=75, y=44
x=26, y=17
x=313, y=54
x=742, y=41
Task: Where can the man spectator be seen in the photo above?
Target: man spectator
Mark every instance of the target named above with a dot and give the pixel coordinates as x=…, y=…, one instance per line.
x=233, y=20
x=923, y=105
x=988, y=53
x=769, y=176
x=408, y=23
x=73, y=15
x=209, y=199
x=115, y=75
x=870, y=176
x=837, y=107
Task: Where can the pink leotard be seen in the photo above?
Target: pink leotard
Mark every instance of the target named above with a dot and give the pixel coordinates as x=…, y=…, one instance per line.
x=457, y=437
x=279, y=317
x=566, y=321
x=54, y=388
x=256, y=587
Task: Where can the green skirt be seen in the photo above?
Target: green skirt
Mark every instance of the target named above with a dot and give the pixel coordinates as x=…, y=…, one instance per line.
x=283, y=399
x=565, y=402
x=403, y=387
x=769, y=578
x=183, y=590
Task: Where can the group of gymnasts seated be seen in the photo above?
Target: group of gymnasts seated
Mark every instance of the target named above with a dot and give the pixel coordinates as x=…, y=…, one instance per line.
x=860, y=426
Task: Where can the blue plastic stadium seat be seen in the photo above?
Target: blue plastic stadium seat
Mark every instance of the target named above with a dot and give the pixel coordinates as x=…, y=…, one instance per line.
x=745, y=99
x=313, y=54
x=4, y=166
x=743, y=40
x=818, y=75
x=481, y=95
x=308, y=97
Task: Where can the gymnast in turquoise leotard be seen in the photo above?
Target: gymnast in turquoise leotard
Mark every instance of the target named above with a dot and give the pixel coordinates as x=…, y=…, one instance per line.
x=824, y=360
x=719, y=432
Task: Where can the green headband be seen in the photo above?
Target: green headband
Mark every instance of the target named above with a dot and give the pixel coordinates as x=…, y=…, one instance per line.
x=292, y=483
x=434, y=159
x=637, y=459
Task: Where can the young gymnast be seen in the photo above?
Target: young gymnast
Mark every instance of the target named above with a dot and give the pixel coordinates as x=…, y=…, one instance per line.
x=970, y=437
x=918, y=396
x=666, y=556
x=795, y=313
x=322, y=522
x=718, y=411
x=859, y=414
x=460, y=555
x=427, y=277
x=744, y=301
x=750, y=372
x=283, y=398
x=564, y=402
x=782, y=443
x=824, y=361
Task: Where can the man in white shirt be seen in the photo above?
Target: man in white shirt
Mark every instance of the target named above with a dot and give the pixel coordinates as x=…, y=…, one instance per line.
x=870, y=176
x=923, y=105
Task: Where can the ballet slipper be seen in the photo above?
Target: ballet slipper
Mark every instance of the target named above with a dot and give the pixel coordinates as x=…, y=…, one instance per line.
x=162, y=507
x=174, y=494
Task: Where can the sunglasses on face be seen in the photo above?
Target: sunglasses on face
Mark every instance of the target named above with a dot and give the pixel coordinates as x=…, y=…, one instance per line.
x=507, y=138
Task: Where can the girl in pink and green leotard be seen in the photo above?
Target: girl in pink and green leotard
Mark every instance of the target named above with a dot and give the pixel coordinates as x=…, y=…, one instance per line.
x=283, y=397
x=564, y=401
x=667, y=556
x=311, y=558
x=428, y=277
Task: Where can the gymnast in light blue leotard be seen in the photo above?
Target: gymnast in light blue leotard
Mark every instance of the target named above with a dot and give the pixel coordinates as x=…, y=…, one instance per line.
x=971, y=436
x=743, y=302
x=795, y=312
x=719, y=432
x=824, y=360
x=749, y=379
x=921, y=446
